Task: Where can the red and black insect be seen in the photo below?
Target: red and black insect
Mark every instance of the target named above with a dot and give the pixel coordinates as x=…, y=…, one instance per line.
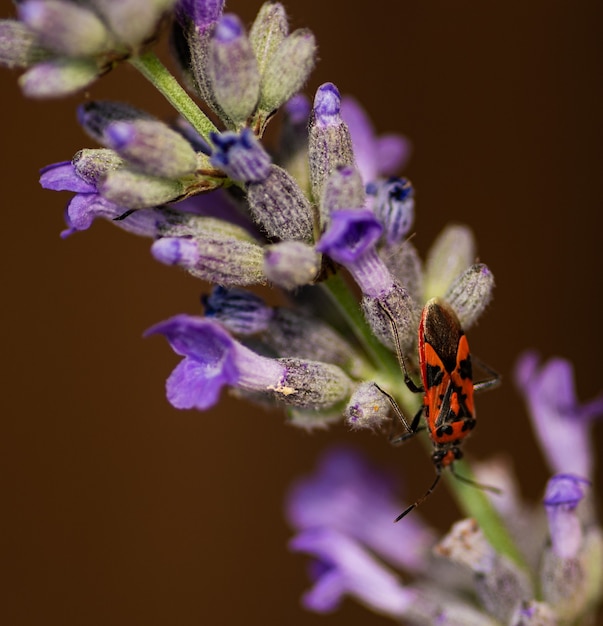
x=447, y=388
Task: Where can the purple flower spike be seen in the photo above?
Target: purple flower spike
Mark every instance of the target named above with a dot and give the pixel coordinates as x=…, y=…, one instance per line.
x=563, y=494
x=352, y=234
x=345, y=568
x=561, y=424
x=209, y=362
x=351, y=496
x=375, y=156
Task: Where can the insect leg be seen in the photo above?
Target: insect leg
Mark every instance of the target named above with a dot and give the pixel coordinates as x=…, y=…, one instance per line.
x=474, y=483
x=410, y=383
x=421, y=499
x=487, y=383
x=414, y=429
x=396, y=408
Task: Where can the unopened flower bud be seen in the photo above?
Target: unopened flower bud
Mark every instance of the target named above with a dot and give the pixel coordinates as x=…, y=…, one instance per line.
x=212, y=250
x=368, y=407
x=394, y=206
x=152, y=147
x=267, y=32
x=136, y=191
x=58, y=77
x=330, y=145
x=241, y=156
x=401, y=309
x=67, y=28
x=233, y=70
x=280, y=207
x=405, y=264
x=287, y=69
x=191, y=39
x=291, y=264
x=450, y=255
x=135, y=21
x=470, y=294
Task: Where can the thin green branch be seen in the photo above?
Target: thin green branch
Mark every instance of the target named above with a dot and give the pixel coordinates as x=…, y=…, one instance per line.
x=155, y=72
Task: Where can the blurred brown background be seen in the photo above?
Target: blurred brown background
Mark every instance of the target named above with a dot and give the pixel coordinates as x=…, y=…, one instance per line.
x=118, y=509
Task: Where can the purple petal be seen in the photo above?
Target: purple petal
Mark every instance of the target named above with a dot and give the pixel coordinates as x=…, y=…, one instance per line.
x=62, y=177
x=363, y=137
x=194, y=385
x=84, y=208
x=560, y=423
x=209, y=364
x=197, y=338
x=376, y=156
x=392, y=154
x=349, y=569
x=351, y=234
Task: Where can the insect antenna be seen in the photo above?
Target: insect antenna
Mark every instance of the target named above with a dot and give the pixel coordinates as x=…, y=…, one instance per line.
x=474, y=483
x=420, y=500
x=410, y=383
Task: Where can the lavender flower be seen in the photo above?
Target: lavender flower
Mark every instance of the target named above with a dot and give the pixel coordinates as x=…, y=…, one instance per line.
x=214, y=360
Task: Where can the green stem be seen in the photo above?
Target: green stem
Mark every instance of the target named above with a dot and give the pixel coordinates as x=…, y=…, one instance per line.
x=155, y=72
x=471, y=499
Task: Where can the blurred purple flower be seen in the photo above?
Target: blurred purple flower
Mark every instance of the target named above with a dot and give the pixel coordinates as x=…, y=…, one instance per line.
x=352, y=496
x=561, y=424
x=344, y=567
